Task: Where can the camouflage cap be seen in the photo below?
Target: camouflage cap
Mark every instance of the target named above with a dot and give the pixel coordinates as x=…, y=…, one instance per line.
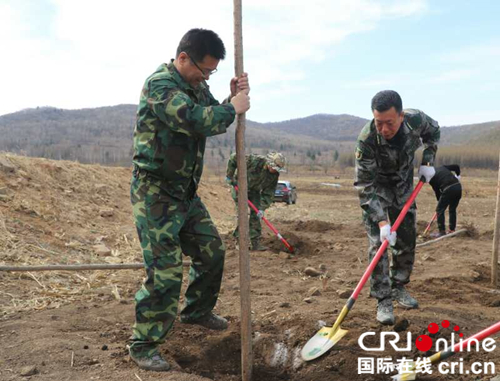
x=276, y=161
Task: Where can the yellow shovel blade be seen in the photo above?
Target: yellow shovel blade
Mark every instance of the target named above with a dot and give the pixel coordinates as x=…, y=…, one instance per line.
x=410, y=376
x=322, y=342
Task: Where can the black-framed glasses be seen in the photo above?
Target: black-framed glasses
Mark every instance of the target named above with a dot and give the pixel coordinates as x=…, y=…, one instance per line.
x=205, y=73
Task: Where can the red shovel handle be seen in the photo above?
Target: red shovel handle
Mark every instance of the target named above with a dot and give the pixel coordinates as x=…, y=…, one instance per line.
x=289, y=247
x=458, y=347
x=382, y=248
x=463, y=345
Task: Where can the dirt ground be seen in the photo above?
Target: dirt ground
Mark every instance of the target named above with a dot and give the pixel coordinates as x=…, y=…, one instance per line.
x=75, y=325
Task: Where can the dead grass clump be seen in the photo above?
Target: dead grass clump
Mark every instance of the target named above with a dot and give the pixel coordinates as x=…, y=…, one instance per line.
x=471, y=230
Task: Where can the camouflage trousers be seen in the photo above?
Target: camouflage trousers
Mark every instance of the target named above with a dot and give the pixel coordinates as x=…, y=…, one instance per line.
x=167, y=228
x=403, y=253
x=254, y=221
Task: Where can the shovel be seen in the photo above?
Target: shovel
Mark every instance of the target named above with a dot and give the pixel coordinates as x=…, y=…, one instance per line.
x=429, y=226
x=273, y=229
x=411, y=374
x=430, y=223
x=327, y=337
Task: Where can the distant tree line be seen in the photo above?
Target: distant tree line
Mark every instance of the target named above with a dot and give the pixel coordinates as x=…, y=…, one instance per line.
x=101, y=135
x=320, y=142
x=478, y=156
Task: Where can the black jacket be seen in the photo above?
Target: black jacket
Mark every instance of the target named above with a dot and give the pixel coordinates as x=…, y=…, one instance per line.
x=444, y=178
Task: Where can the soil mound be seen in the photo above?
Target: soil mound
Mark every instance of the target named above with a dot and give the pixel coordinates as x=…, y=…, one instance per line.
x=316, y=226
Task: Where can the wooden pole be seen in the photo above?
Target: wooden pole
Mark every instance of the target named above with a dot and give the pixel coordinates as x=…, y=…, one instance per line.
x=442, y=237
x=246, y=311
x=496, y=236
x=82, y=267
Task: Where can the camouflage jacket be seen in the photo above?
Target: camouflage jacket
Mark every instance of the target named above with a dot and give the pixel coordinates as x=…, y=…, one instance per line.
x=384, y=173
x=173, y=122
x=260, y=180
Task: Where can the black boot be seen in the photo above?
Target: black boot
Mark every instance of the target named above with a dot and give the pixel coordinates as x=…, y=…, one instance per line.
x=257, y=246
x=210, y=321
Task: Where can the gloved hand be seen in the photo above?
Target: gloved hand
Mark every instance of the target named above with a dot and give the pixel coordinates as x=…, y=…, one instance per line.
x=229, y=181
x=260, y=214
x=385, y=233
x=426, y=171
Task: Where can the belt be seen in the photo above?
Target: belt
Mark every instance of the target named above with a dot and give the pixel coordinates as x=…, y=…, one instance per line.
x=449, y=186
x=190, y=193
x=137, y=171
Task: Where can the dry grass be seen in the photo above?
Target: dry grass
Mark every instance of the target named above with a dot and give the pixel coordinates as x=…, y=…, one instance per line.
x=51, y=215
x=57, y=212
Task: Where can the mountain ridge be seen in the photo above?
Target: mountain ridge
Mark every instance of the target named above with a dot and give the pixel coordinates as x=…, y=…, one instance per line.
x=104, y=134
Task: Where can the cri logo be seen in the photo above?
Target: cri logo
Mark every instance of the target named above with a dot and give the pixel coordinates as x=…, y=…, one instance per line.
x=424, y=342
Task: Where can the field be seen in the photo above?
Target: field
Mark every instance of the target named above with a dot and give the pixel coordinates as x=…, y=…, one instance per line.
x=75, y=325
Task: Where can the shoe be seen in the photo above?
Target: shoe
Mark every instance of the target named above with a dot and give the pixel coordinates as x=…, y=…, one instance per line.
x=385, y=312
x=149, y=359
x=403, y=298
x=451, y=231
x=210, y=321
x=257, y=246
x=437, y=235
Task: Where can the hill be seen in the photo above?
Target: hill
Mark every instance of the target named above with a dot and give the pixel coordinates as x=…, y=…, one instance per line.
x=476, y=134
x=94, y=135
x=320, y=126
x=104, y=135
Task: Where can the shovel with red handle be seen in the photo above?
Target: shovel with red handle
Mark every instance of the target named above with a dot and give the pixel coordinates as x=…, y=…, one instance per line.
x=327, y=337
x=273, y=229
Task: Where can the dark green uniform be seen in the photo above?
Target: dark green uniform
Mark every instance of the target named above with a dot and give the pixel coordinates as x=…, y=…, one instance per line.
x=173, y=122
x=261, y=188
x=384, y=179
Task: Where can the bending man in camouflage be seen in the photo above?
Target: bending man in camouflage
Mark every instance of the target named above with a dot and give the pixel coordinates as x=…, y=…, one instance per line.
x=384, y=178
x=262, y=174
x=176, y=114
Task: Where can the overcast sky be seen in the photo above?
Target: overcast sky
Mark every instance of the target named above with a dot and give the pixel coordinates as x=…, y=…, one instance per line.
x=303, y=57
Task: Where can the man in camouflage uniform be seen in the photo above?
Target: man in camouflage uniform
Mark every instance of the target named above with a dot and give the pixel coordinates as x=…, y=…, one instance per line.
x=384, y=178
x=176, y=114
x=262, y=174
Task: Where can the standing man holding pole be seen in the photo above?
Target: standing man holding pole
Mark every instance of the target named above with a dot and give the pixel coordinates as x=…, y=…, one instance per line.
x=176, y=114
x=385, y=154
